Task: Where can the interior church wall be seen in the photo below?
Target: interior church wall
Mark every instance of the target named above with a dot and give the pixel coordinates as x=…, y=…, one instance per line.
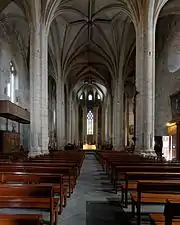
x=9, y=52
x=167, y=70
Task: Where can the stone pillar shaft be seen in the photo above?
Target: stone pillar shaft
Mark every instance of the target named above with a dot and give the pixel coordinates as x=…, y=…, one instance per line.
x=77, y=124
x=103, y=125
x=60, y=105
x=110, y=122
x=73, y=122
x=38, y=91
x=106, y=124
x=69, y=128
x=96, y=127
x=145, y=86
x=118, y=115
x=84, y=125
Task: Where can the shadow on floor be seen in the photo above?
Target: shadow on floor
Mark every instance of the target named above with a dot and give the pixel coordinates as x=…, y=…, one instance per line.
x=106, y=213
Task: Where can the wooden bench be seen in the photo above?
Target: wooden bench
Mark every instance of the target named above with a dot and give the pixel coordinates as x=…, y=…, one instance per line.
x=154, y=192
x=129, y=183
x=30, y=196
x=28, y=178
x=28, y=166
x=150, y=168
x=68, y=173
x=20, y=219
x=170, y=216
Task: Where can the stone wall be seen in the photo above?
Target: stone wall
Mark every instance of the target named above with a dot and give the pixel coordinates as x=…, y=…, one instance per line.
x=8, y=53
x=167, y=70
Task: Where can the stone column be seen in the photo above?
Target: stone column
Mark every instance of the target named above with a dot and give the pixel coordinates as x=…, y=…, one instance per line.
x=60, y=118
x=84, y=125
x=76, y=123
x=38, y=91
x=69, y=128
x=118, y=115
x=103, y=125
x=126, y=123
x=73, y=122
x=145, y=85
x=97, y=126
x=106, y=124
x=95, y=113
x=109, y=121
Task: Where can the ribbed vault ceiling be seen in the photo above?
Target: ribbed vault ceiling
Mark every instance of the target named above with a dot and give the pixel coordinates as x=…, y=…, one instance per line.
x=89, y=36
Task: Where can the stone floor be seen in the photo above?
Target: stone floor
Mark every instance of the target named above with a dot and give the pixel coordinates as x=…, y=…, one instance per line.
x=92, y=191
x=95, y=203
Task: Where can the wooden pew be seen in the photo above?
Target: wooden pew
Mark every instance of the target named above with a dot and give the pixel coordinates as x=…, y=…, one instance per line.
x=20, y=219
x=28, y=178
x=129, y=183
x=67, y=172
x=23, y=165
x=171, y=215
x=149, y=168
x=154, y=192
x=30, y=196
x=65, y=166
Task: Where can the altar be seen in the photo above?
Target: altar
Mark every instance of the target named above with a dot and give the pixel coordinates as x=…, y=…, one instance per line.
x=89, y=147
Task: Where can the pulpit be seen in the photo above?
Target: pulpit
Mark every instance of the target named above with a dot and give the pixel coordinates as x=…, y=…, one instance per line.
x=10, y=140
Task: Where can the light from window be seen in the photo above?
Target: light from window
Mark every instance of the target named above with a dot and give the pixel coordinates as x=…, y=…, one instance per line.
x=81, y=97
x=11, y=85
x=54, y=117
x=90, y=123
x=90, y=97
x=12, y=69
x=98, y=96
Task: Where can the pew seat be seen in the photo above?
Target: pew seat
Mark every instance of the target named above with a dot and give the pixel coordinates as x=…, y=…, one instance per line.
x=20, y=219
x=154, y=192
x=30, y=196
x=159, y=218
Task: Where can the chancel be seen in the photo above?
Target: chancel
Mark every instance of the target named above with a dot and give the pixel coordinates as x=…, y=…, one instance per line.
x=89, y=112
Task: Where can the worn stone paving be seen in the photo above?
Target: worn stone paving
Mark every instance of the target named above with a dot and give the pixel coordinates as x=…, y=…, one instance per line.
x=92, y=188
x=94, y=191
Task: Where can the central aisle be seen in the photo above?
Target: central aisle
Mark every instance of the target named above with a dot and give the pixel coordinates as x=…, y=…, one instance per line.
x=92, y=189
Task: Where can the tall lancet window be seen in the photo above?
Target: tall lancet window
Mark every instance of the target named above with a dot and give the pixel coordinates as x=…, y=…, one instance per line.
x=12, y=85
x=90, y=97
x=90, y=123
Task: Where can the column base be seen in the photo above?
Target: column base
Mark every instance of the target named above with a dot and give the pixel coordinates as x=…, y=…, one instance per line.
x=34, y=152
x=45, y=152
x=146, y=153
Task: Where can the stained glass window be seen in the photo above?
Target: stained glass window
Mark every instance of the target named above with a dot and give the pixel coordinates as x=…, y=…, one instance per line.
x=98, y=96
x=11, y=86
x=89, y=123
x=81, y=97
x=90, y=97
